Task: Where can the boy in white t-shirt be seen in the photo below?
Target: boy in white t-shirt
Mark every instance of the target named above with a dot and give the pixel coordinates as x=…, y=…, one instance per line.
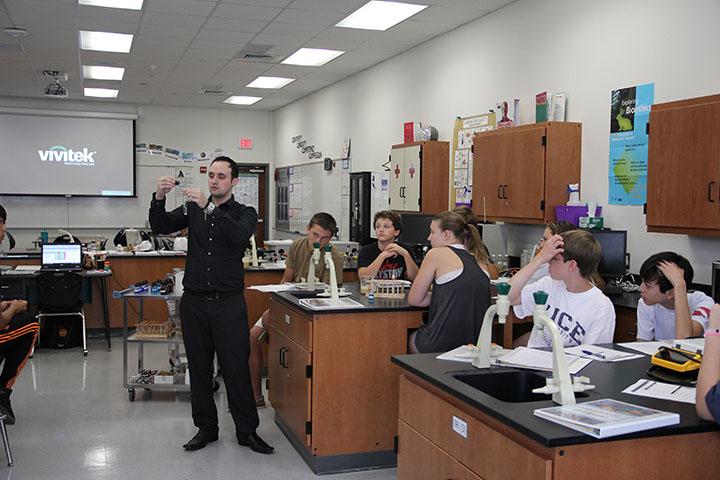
x=583, y=314
x=666, y=309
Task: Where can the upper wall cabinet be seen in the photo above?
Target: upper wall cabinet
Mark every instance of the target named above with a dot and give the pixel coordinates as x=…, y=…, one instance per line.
x=683, y=184
x=521, y=173
x=420, y=177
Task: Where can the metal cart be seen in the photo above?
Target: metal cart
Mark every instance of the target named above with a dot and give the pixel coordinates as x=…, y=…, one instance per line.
x=173, y=342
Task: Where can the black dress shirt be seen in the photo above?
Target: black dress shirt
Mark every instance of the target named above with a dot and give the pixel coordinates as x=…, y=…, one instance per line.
x=216, y=242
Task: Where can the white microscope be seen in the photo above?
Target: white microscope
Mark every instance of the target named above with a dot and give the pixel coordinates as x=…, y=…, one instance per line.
x=314, y=260
x=559, y=385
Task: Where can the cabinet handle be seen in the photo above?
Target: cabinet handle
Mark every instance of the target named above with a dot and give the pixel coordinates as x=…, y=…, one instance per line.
x=505, y=192
x=498, y=192
x=283, y=351
x=710, y=184
x=288, y=320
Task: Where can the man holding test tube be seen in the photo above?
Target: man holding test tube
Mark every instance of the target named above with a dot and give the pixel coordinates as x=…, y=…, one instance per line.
x=213, y=312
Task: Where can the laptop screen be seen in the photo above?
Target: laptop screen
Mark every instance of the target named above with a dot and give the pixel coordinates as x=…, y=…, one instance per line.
x=62, y=255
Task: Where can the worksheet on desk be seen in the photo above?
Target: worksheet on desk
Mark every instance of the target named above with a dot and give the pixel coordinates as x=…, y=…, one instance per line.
x=663, y=391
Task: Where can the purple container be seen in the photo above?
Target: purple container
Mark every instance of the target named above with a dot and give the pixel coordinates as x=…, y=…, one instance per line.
x=572, y=215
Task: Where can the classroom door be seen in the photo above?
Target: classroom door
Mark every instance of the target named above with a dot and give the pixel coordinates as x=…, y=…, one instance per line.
x=252, y=190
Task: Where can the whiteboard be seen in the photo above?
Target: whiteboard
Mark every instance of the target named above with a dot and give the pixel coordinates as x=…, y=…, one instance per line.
x=312, y=189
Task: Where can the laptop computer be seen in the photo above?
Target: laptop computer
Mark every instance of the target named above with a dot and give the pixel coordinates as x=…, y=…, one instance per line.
x=61, y=257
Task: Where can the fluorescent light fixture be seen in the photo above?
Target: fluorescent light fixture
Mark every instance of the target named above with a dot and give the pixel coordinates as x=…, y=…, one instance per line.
x=126, y=4
x=379, y=15
x=242, y=100
x=94, y=72
x=312, y=57
x=270, y=82
x=101, y=92
x=105, y=42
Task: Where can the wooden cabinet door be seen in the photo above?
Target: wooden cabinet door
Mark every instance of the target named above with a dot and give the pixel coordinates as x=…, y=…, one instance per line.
x=523, y=154
x=488, y=176
x=411, y=192
x=297, y=410
x=276, y=370
x=419, y=458
x=397, y=178
x=684, y=167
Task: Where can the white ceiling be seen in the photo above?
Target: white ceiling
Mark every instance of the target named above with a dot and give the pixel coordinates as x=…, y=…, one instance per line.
x=181, y=46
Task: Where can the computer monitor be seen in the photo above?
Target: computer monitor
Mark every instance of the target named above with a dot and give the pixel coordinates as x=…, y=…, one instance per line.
x=614, y=249
x=415, y=229
x=58, y=256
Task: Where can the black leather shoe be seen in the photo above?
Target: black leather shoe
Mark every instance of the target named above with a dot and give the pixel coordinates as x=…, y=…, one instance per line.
x=255, y=443
x=202, y=438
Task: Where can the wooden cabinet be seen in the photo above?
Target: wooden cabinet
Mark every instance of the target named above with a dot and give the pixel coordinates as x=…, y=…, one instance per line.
x=332, y=385
x=683, y=181
x=521, y=173
x=420, y=177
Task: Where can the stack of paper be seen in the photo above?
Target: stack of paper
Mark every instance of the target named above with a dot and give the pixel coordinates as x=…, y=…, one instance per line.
x=664, y=391
x=601, y=354
x=523, y=357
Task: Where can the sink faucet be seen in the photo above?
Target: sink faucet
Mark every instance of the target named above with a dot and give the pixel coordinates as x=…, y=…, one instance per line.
x=484, y=344
x=253, y=246
x=560, y=385
x=314, y=260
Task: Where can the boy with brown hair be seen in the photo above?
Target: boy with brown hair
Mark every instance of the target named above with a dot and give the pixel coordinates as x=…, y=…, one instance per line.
x=386, y=258
x=580, y=310
x=320, y=229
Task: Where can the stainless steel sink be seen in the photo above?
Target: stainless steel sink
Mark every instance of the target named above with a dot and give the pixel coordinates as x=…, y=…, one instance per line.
x=513, y=386
x=305, y=293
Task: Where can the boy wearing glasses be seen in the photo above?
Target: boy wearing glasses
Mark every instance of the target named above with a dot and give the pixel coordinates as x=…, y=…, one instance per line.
x=583, y=314
x=320, y=229
x=666, y=309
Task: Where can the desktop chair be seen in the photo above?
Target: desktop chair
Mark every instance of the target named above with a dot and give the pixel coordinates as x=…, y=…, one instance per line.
x=60, y=296
x=5, y=440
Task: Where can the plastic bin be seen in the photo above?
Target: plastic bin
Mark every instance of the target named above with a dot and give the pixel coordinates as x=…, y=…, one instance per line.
x=564, y=213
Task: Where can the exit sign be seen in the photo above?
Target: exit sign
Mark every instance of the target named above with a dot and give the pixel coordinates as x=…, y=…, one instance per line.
x=246, y=143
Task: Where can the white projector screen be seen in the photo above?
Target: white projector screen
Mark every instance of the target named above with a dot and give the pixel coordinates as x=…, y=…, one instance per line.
x=58, y=155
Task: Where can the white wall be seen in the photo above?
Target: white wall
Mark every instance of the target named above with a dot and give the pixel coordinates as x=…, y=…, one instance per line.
x=584, y=47
x=191, y=129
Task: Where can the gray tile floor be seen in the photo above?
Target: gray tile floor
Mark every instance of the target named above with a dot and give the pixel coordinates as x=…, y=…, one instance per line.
x=74, y=421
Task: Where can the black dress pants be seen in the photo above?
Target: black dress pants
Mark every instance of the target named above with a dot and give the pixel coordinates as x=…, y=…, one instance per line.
x=16, y=341
x=214, y=323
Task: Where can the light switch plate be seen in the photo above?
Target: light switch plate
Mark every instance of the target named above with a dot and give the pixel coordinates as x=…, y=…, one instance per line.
x=459, y=426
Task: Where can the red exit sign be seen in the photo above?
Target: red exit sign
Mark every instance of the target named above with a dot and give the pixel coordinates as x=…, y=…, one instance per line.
x=246, y=143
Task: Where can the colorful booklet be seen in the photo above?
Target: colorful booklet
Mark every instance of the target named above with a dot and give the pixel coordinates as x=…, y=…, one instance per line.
x=607, y=418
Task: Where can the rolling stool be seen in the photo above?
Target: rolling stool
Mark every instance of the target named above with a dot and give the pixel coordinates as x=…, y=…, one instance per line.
x=6, y=442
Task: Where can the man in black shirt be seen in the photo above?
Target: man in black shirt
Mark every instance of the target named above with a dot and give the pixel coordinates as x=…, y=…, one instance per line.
x=212, y=309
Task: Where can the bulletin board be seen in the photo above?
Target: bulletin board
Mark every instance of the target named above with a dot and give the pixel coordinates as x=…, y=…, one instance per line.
x=313, y=189
x=462, y=155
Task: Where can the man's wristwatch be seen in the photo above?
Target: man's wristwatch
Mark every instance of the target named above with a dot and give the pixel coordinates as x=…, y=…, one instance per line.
x=209, y=208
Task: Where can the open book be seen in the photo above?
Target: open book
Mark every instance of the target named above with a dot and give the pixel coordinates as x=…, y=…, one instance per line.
x=607, y=418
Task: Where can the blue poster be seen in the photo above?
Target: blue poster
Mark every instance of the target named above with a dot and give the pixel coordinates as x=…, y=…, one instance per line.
x=629, y=116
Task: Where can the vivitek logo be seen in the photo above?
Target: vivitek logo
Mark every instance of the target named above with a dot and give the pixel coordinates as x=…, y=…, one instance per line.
x=59, y=153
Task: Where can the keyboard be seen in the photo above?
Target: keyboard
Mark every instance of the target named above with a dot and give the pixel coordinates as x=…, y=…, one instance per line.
x=613, y=289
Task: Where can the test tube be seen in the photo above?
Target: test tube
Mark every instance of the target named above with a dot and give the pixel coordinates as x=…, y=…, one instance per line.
x=177, y=182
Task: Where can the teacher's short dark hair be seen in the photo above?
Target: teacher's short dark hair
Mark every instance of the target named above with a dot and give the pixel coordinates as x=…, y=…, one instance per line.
x=234, y=169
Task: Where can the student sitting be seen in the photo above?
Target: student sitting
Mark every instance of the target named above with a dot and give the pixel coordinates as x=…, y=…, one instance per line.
x=707, y=393
x=386, y=258
x=483, y=256
x=320, y=230
x=579, y=309
x=550, y=230
x=666, y=309
x=461, y=291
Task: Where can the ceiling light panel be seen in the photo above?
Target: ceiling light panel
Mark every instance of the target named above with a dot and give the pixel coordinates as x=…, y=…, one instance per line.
x=101, y=92
x=312, y=57
x=270, y=82
x=105, y=41
x=242, y=100
x=379, y=15
x=95, y=72
x=126, y=4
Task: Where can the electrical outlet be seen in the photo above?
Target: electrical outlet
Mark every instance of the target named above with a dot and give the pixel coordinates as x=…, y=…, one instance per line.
x=459, y=426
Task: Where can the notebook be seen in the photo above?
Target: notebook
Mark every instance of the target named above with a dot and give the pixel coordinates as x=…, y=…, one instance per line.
x=61, y=257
